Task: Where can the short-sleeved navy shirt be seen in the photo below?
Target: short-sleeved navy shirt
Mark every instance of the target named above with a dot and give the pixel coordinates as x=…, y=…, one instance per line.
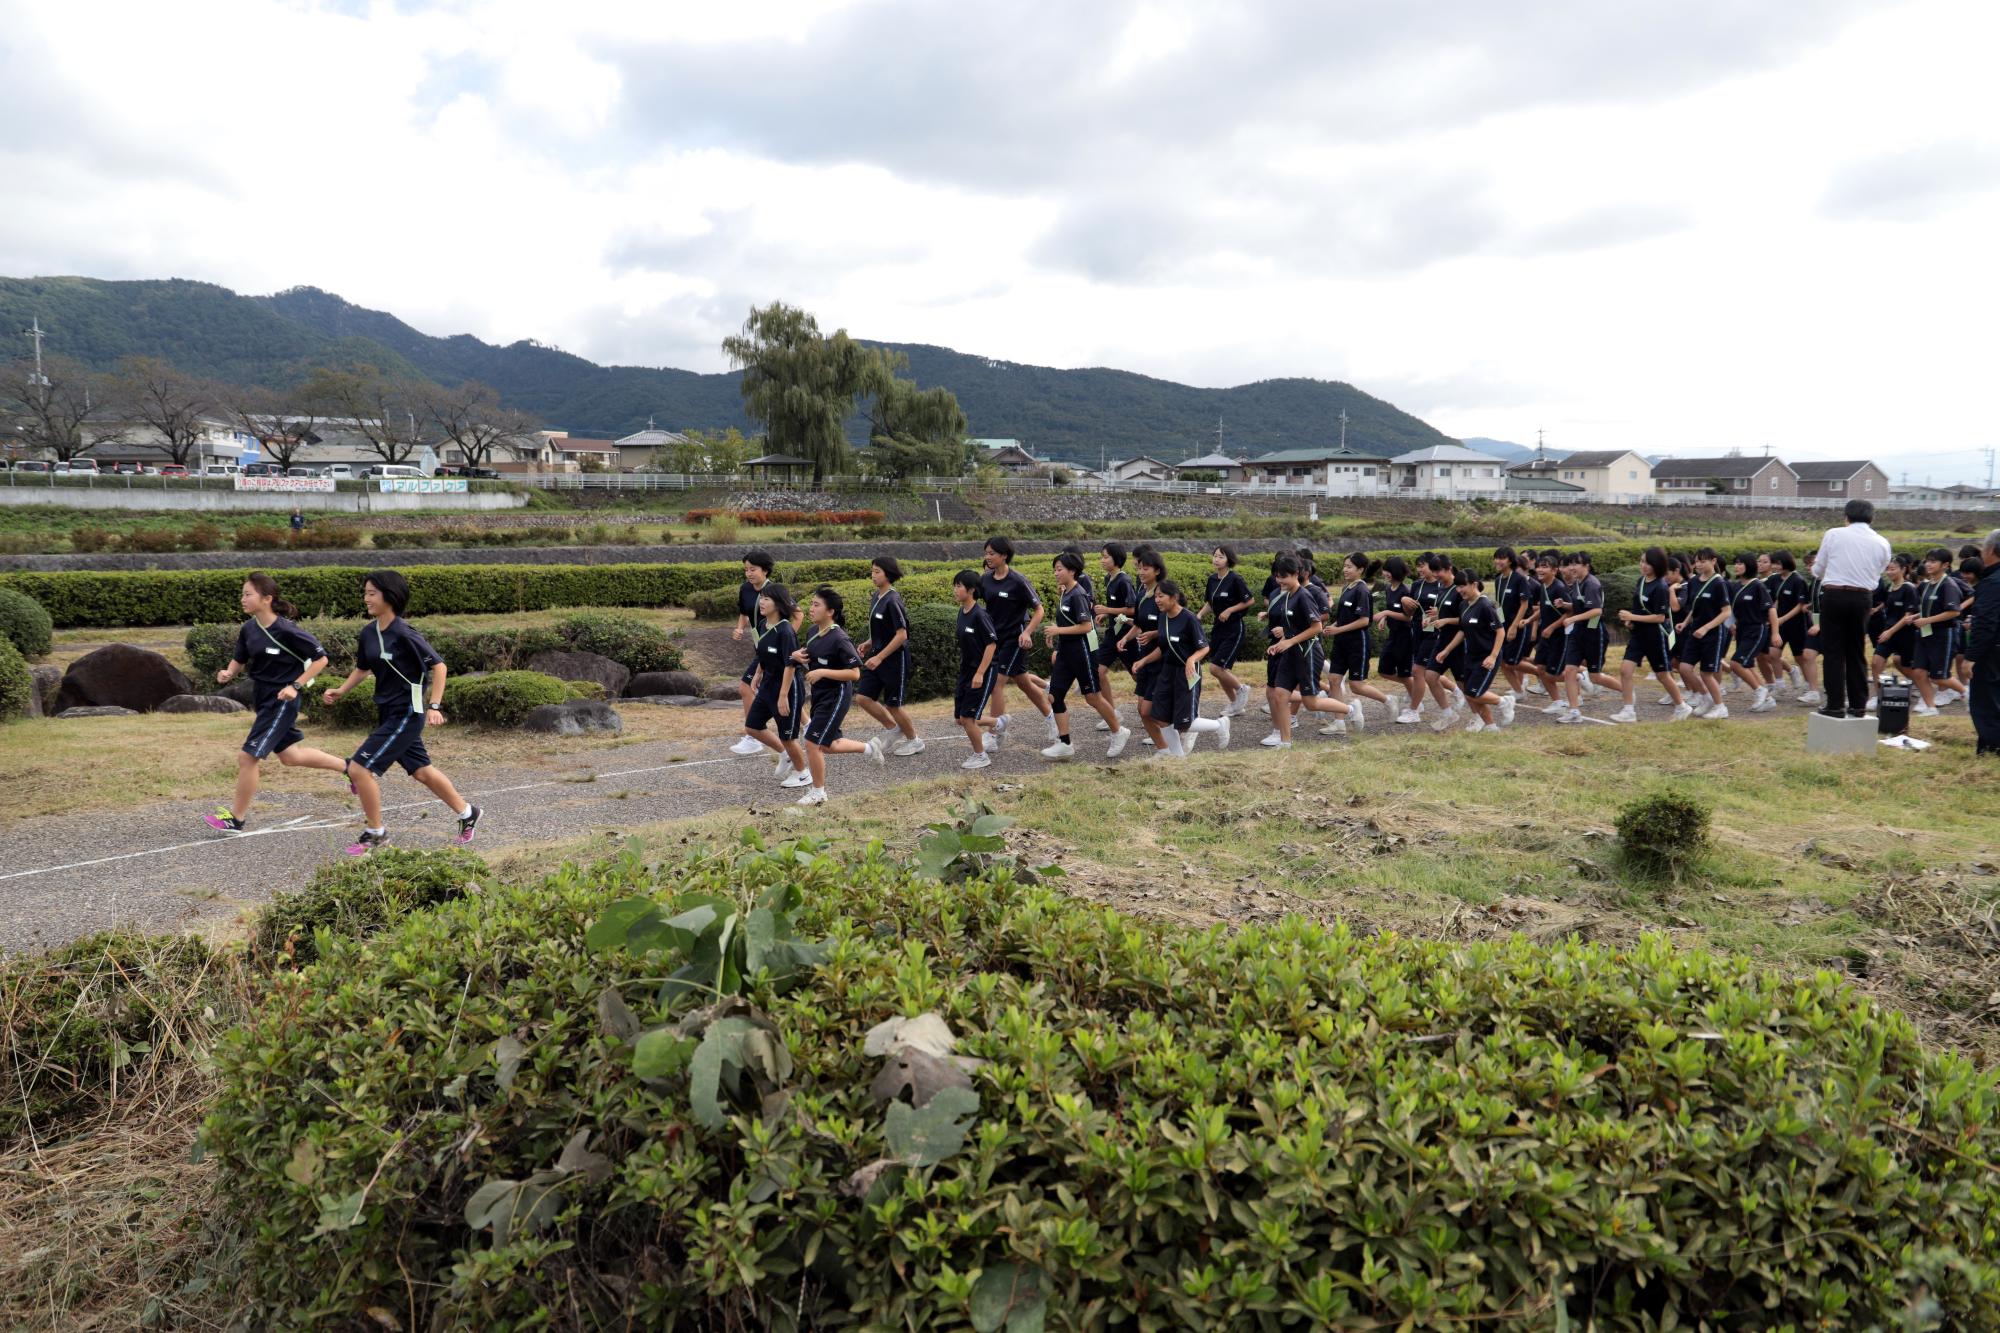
x=1008, y=601
x=1226, y=590
x=975, y=632
x=1792, y=591
x=1073, y=608
x=829, y=649
x=400, y=659
x=1704, y=599
x=1296, y=611
x=886, y=615
x=1897, y=602
x=1180, y=638
x=1392, y=600
x=1119, y=590
x=1751, y=603
x=1145, y=618
x=1429, y=593
x=1937, y=598
x=1516, y=591
x=1357, y=602
x=775, y=647
x=276, y=656
x=1586, y=595
x=1480, y=623
x=746, y=600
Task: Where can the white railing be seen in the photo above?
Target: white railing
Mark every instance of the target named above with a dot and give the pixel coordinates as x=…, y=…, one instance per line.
x=736, y=481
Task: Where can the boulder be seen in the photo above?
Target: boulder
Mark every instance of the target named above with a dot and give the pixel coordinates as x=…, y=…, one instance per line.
x=668, y=700
x=98, y=710
x=582, y=666
x=725, y=690
x=665, y=682
x=200, y=703
x=119, y=675
x=46, y=680
x=573, y=719
x=242, y=689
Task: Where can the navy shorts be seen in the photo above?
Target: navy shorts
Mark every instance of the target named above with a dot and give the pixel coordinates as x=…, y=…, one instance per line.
x=1648, y=647
x=1397, y=654
x=1809, y=643
x=1143, y=678
x=1583, y=647
x=967, y=701
x=1225, y=644
x=1549, y=651
x=1792, y=634
x=829, y=710
x=1072, y=667
x=1475, y=677
x=1514, y=649
x=1174, y=700
x=1703, y=652
x=1750, y=644
x=1349, y=655
x=1933, y=655
x=276, y=729
x=749, y=672
x=397, y=739
x=1424, y=655
x=764, y=711
x=1107, y=654
x=1901, y=645
x=1009, y=657
x=1296, y=669
x=889, y=684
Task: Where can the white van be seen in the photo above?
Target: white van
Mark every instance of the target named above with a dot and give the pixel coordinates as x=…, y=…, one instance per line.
x=393, y=470
x=340, y=471
x=220, y=470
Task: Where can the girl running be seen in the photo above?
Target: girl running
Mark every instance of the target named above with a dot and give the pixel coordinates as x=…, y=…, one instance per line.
x=778, y=688
x=1549, y=645
x=885, y=665
x=1938, y=603
x=1809, y=637
x=1701, y=633
x=1226, y=599
x=831, y=667
x=1790, y=602
x=1582, y=605
x=1016, y=609
x=1650, y=638
x=1897, y=642
x=757, y=566
x=1175, y=721
x=1297, y=614
x=1145, y=628
x=1750, y=605
x=282, y=660
x=1514, y=592
x=1398, y=610
x=977, y=644
x=1475, y=647
x=1072, y=639
x=1347, y=640
x=1452, y=706
x=400, y=659
x=1431, y=590
x=1116, y=613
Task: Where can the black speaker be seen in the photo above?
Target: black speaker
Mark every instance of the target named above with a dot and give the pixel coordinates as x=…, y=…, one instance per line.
x=1892, y=708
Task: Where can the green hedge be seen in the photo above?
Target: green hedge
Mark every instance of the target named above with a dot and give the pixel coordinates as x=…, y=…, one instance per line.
x=17, y=683
x=183, y=597
x=627, y=640
x=352, y=898
x=1275, y=1126
x=24, y=623
x=501, y=699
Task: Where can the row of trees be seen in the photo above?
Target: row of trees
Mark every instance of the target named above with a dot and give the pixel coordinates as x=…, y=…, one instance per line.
x=69, y=410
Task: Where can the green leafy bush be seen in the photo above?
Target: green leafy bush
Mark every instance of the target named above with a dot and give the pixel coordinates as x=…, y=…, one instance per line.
x=714, y=604
x=83, y=1023
x=25, y=623
x=1620, y=585
x=1284, y=1125
x=1664, y=832
x=17, y=683
x=354, y=712
x=634, y=644
x=326, y=537
x=357, y=897
x=501, y=699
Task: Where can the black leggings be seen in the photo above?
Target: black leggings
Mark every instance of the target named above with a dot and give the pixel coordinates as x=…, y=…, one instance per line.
x=1843, y=630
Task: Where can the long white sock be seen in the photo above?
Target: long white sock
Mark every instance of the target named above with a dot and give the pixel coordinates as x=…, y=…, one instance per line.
x=1174, y=744
x=1204, y=724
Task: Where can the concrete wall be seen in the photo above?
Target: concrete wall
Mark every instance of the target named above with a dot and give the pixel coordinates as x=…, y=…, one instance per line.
x=110, y=495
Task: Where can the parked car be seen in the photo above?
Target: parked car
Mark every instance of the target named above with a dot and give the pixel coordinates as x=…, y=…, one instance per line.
x=340, y=471
x=263, y=470
x=484, y=473
x=79, y=465
x=128, y=469
x=220, y=470
x=305, y=472
x=173, y=469
x=393, y=470
x=34, y=465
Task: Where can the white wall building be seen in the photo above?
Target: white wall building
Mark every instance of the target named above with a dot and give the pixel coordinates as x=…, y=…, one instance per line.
x=1326, y=471
x=1449, y=472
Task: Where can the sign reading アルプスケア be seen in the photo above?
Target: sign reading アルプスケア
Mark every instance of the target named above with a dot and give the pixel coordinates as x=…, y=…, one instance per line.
x=422, y=485
x=284, y=483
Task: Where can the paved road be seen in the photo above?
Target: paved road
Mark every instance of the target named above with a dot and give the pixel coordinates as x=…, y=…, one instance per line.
x=160, y=868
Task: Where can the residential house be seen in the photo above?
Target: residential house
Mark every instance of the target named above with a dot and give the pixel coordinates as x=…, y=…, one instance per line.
x=1916, y=495
x=1448, y=472
x=1225, y=468
x=643, y=448
x=1007, y=455
x=1975, y=494
x=1530, y=486
x=1612, y=475
x=1855, y=480
x=1143, y=467
x=1743, y=475
x=1328, y=470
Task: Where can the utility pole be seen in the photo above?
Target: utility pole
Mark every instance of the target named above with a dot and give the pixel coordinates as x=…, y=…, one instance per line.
x=1218, y=432
x=1990, y=454
x=35, y=333
x=1343, y=430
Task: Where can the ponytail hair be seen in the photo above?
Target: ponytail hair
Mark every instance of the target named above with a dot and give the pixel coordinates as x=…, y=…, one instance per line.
x=1655, y=559
x=267, y=586
x=1396, y=568
x=781, y=599
x=833, y=602
x=1369, y=568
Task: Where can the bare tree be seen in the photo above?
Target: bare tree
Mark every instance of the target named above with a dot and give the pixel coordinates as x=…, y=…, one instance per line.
x=283, y=421
x=68, y=412
x=470, y=417
x=382, y=409
x=177, y=406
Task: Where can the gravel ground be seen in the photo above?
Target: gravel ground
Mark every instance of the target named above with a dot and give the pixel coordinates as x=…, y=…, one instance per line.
x=160, y=868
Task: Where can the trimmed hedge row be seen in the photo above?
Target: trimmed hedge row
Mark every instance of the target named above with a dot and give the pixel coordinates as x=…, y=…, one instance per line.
x=498, y=699
x=1282, y=1126
x=110, y=599
x=627, y=640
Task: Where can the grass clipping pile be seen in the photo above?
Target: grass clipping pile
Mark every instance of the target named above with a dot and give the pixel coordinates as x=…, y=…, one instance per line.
x=780, y=1087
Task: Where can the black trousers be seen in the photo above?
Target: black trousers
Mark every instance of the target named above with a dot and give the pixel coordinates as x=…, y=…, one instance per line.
x=1984, y=701
x=1843, y=639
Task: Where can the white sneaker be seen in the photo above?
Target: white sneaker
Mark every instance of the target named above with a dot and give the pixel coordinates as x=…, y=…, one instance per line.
x=914, y=745
x=1557, y=708
x=1458, y=702
x=889, y=736
x=1242, y=699
x=1760, y=698
x=1283, y=745
x=1570, y=717
x=1102, y=725
x=1626, y=714
x=1922, y=709
x=1443, y=722
x=1053, y=727
x=1808, y=699
x=1408, y=717
x=1338, y=727
x=1798, y=679
x=1683, y=713
x=1533, y=686
x=797, y=780
x=1474, y=725
x=1665, y=700
x=1358, y=715
x=1118, y=739
x=1265, y=707
x=978, y=761
x=1059, y=751
x=877, y=753
x=816, y=796
x=784, y=768
x=1506, y=710
x=747, y=746
x=1764, y=705
x=1000, y=725
x=1948, y=697
x=1590, y=687
x=1718, y=713
x=1274, y=740
x=1871, y=705
x=1222, y=732
x=1187, y=743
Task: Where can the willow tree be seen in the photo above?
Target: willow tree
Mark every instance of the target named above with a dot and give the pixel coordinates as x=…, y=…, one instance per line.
x=801, y=384
x=912, y=432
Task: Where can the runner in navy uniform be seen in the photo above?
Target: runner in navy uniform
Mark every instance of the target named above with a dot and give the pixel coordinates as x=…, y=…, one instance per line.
x=1226, y=600
x=1296, y=617
x=1444, y=622
x=885, y=665
x=757, y=567
x=1175, y=719
x=1475, y=647
x=1144, y=629
x=1016, y=609
x=1514, y=594
x=1938, y=604
x=1114, y=615
x=1547, y=665
x=977, y=644
x=1707, y=610
x=1072, y=639
x=400, y=660
x=1650, y=638
x=282, y=660
x=1399, y=609
x=1897, y=642
x=778, y=688
x=1582, y=605
x=1347, y=638
x=1750, y=605
x=831, y=667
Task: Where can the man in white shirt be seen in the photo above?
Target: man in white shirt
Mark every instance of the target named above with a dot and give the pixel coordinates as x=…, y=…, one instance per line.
x=1850, y=564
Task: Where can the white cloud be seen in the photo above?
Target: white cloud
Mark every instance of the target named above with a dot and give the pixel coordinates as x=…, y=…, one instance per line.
x=1643, y=226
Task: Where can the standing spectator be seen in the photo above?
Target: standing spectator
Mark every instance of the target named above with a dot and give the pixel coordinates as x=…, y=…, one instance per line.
x=298, y=521
x=1850, y=563
x=1982, y=647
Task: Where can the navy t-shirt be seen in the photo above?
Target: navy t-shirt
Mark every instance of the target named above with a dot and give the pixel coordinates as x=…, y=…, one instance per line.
x=1937, y=598
x=746, y=600
x=1792, y=591
x=829, y=649
x=1516, y=590
x=1357, y=602
x=1145, y=617
x=1180, y=639
x=1751, y=605
x=1296, y=612
x=275, y=657
x=1008, y=601
x=400, y=659
x=1704, y=599
x=1480, y=623
x=1897, y=602
x=1429, y=593
x=975, y=631
x=885, y=616
x=1073, y=608
x=774, y=652
x=1226, y=590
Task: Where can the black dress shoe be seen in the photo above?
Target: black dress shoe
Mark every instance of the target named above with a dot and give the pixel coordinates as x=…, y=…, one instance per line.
x=1833, y=713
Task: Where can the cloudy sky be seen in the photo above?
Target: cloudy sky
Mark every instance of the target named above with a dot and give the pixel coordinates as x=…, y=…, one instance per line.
x=1666, y=226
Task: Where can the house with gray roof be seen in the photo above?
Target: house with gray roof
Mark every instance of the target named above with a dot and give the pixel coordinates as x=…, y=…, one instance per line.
x=1615, y=476
x=1323, y=470
x=1853, y=480
x=1742, y=475
x=1448, y=472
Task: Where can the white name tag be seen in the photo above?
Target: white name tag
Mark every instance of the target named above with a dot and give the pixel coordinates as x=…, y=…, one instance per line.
x=272, y=650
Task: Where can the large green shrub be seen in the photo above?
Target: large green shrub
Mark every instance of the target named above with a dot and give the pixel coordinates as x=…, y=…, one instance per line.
x=501, y=699
x=79, y=1020
x=634, y=644
x=628, y=640
x=1286, y=1125
x=17, y=683
x=353, y=898
x=24, y=623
